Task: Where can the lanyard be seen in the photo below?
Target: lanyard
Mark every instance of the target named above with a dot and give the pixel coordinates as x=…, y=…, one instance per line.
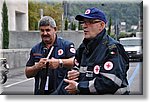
x=50, y=52
x=47, y=79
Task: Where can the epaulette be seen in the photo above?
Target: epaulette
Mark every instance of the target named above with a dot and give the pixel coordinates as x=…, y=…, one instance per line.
x=112, y=46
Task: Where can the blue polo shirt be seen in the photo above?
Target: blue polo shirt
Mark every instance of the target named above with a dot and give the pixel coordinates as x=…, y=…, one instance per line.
x=62, y=50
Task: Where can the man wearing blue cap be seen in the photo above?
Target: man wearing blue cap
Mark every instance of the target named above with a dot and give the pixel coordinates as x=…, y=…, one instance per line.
x=101, y=62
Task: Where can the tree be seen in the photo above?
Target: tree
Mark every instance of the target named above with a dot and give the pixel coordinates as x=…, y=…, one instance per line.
x=5, y=27
x=66, y=24
x=33, y=15
x=80, y=27
x=73, y=26
x=109, y=26
x=54, y=10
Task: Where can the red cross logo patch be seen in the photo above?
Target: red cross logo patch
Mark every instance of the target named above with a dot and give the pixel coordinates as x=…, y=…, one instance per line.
x=72, y=50
x=108, y=65
x=60, y=52
x=96, y=69
x=87, y=11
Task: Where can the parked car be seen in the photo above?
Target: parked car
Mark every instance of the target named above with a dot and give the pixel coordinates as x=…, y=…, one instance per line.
x=133, y=46
x=4, y=69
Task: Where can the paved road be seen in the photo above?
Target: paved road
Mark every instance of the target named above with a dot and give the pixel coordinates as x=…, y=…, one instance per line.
x=18, y=84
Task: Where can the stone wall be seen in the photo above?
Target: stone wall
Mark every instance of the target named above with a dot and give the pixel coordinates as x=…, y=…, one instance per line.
x=16, y=58
x=24, y=39
x=21, y=43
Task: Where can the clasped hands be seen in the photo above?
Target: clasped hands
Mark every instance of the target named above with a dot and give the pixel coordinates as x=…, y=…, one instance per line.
x=53, y=63
x=71, y=75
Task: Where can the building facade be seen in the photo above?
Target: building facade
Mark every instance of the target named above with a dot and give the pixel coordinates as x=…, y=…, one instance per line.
x=17, y=15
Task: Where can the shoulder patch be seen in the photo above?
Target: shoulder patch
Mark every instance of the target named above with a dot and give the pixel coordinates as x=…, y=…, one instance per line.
x=108, y=65
x=60, y=52
x=96, y=69
x=72, y=50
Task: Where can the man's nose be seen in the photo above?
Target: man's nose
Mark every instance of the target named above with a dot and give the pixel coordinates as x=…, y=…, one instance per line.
x=45, y=33
x=84, y=26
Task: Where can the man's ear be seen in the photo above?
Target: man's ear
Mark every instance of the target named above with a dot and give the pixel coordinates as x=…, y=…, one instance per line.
x=103, y=24
x=55, y=28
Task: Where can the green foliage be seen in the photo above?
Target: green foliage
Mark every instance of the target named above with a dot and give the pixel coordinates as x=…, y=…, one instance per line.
x=73, y=26
x=128, y=12
x=109, y=26
x=53, y=10
x=34, y=15
x=80, y=27
x=122, y=35
x=5, y=26
x=112, y=35
x=66, y=24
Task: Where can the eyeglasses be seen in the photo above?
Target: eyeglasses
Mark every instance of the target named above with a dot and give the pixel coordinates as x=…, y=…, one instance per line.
x=89, y=21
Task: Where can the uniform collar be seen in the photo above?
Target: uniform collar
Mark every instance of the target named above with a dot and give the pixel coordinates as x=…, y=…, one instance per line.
x=92, y=44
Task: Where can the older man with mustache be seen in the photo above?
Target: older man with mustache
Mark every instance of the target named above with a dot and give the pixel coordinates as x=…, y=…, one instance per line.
x=50, y=59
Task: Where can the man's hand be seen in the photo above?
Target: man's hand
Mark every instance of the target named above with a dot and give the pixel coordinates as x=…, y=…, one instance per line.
x=71, y=88
x=53, y=63
x=42, y=63
x=73, y=75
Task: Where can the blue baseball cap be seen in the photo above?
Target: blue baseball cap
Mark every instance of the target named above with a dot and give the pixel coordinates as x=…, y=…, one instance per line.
x=92, y=13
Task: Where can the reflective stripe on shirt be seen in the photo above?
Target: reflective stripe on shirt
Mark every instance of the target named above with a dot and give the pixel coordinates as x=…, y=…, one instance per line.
x=113, y=77
x=122, y=90
x=91, y=86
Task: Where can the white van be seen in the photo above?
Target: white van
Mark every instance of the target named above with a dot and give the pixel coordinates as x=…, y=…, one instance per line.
x=133, y=46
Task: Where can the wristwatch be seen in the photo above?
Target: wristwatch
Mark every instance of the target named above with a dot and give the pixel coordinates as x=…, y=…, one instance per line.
x=60, y=63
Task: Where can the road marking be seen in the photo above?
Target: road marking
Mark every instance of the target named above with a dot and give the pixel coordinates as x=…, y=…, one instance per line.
x=134, y=73
x=17, y=83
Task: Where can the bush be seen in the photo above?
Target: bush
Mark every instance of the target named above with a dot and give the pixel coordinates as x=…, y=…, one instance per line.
x=122, y=35
x=66, y=24
x=80, y=27
x=73, y=26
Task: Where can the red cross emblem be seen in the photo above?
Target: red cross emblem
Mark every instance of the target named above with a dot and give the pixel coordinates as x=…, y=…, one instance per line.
x=60, y=52
x=72, y=50
x=108, y=65
x=87, y=11
x=96, y=69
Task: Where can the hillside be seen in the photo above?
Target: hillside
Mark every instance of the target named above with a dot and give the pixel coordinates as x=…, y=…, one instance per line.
x=128, y=12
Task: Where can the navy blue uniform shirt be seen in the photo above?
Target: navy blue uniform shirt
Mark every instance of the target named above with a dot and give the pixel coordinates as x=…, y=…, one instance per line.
x=62, y=50
x=103, y=65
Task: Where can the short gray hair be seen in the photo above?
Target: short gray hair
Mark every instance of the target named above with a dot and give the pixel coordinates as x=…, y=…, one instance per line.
x=47, y=21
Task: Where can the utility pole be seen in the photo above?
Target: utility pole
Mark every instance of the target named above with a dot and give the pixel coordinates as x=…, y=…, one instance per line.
x=62, y=17
x=41, y=13
x=62, y=23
